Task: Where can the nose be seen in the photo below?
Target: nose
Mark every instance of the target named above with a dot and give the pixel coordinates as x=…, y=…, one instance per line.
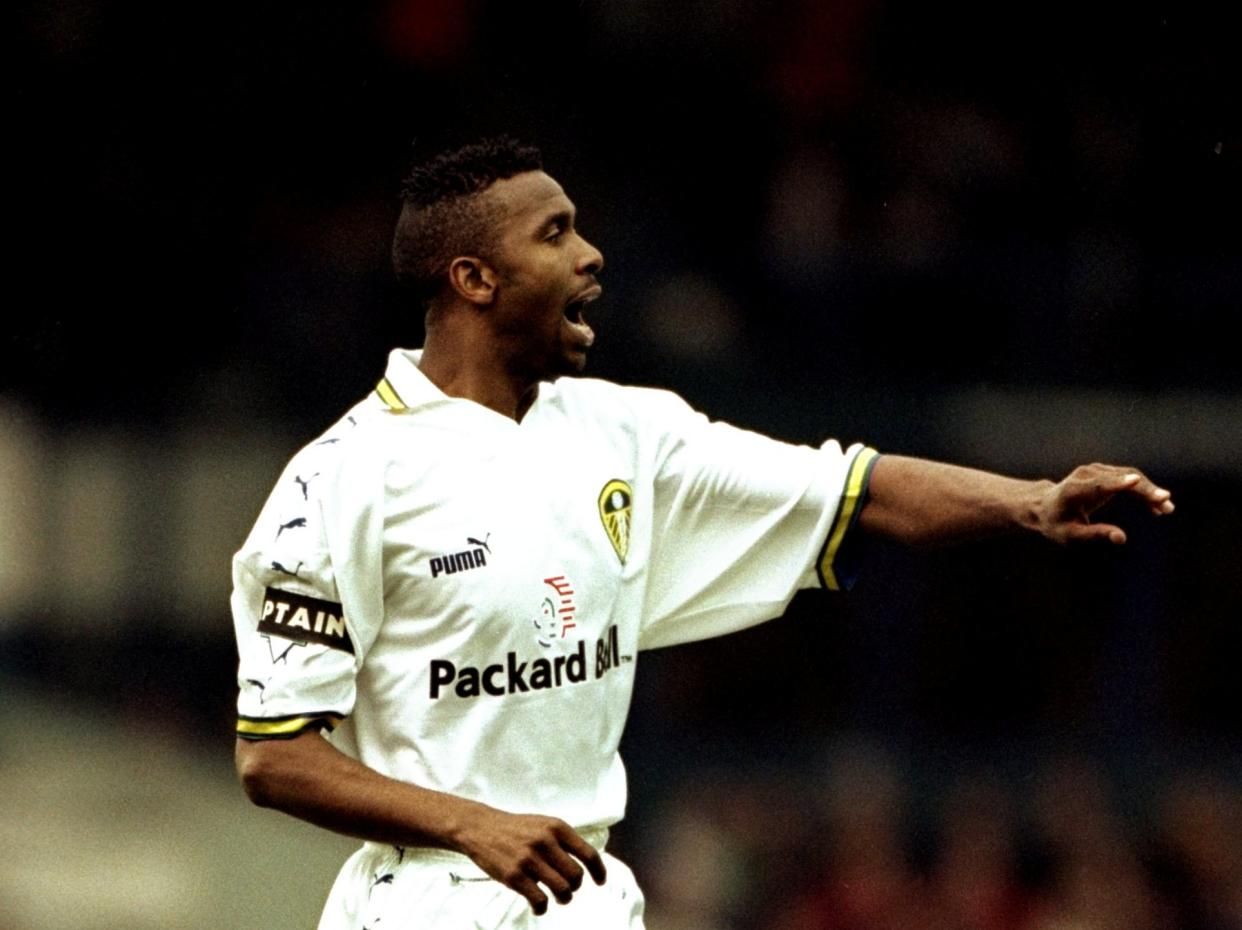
x=591, y=261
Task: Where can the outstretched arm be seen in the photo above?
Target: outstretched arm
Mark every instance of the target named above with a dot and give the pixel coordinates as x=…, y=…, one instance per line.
x=921, y=502
x=309, y=778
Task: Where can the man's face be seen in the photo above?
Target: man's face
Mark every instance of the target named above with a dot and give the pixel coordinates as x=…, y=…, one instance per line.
x=546, y=275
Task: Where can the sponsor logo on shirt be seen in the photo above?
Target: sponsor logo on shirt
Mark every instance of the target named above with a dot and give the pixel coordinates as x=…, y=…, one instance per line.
x=512, y=677
x=616, y=505
x=462, y=561
x=556, y=613
x=304, y=620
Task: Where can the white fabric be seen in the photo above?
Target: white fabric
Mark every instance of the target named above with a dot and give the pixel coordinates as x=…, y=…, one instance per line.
x=725, y=525
x=381, y=886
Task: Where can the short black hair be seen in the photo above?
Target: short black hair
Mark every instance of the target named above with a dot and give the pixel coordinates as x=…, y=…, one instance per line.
x=441, y=214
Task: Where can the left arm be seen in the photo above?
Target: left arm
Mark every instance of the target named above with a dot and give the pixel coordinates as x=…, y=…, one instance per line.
x=921, y=502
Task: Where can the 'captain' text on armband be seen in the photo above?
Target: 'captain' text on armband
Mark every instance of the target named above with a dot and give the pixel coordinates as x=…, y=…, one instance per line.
x=512, y=676
x=304, y=620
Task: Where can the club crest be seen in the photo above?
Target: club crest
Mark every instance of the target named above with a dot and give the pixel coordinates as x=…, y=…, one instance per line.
x=616, y=503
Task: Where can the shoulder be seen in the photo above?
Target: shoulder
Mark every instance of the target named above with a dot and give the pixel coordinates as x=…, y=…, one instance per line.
x=339, y=455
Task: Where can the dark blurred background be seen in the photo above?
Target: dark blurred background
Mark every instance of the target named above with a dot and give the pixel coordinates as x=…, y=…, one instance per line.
x=1006, y=236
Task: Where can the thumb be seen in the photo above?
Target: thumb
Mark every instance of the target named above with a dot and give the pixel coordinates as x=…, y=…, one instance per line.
x=1095, y=532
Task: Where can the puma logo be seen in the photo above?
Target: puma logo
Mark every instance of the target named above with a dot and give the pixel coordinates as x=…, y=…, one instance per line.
x=293, y=524
x=305, y=482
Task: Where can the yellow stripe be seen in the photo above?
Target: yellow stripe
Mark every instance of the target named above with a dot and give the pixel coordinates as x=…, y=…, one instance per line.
x=390, y=396
x=284, y=727
x=845, y=514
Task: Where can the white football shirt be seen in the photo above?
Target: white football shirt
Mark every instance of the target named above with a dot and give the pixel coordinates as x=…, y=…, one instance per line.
x=468, y=595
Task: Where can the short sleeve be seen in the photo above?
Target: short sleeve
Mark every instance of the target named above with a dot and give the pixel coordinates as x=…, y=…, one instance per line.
x=305, y=596
x=742, y=522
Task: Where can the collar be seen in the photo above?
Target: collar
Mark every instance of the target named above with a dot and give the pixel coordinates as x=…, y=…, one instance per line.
x=404, y=386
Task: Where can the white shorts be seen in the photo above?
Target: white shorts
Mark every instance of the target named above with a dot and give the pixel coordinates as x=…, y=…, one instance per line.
x=383, y=888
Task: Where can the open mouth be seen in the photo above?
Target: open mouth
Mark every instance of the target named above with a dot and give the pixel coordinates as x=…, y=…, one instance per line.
x=573, y=309
x=583, y=334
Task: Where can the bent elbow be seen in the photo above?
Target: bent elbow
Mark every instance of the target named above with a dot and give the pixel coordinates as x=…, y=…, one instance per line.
x=254, y=769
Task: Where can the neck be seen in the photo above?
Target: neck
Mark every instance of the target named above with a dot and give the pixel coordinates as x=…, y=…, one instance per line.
x=475, y=371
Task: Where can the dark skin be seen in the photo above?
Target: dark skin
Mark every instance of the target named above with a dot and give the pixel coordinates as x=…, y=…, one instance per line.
x=506, y=319
x=311, y=779
x=512, y=318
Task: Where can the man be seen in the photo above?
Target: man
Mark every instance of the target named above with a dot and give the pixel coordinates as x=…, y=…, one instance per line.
x=462, y=571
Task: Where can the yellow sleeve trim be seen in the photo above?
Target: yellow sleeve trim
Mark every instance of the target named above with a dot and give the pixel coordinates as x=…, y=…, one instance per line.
x=389, y=396
x=851, y=500
x=284, y=727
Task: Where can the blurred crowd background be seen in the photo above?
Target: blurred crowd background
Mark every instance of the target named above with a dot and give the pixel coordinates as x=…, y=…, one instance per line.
x=1004, y=235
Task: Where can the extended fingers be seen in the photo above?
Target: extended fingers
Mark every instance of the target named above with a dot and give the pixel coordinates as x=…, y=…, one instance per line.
x=543, y=871
x=566, y=866
x=1158, y=498
x=550, y=864
x=1097, y=483
x=589, y=855
x=530, y=853
x=526, y=877
x=1103, y=484
x=529, y=889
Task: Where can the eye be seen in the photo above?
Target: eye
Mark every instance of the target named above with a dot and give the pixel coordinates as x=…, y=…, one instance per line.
x=555, y=234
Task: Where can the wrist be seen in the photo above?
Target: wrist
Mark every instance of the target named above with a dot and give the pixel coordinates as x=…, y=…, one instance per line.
x=1034, y=511
x=460, y=824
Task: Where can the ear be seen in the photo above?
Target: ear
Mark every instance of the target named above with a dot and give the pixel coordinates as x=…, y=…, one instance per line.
x=473, y=279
